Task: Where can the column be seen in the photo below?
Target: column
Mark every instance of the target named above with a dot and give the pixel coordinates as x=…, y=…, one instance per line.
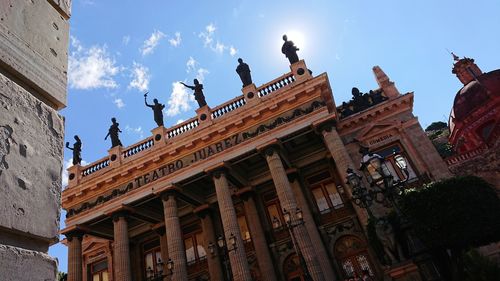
x=213, y=260
x=258, y=237
x=237, y=257
x=121, y=253
x=288, y=202
x=321, y=252
x=74, y=256
x=163, y=247
x=175, y=242
x=342, y=161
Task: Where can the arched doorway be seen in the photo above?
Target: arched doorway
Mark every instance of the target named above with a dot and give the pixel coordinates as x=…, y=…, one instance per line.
x=292, y=269
x=353, y=256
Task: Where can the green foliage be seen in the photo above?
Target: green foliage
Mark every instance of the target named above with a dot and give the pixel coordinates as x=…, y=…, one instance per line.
x=62, y=276
x=480, y=268
x=455, y=213
x=436, y=126
x=444, y=149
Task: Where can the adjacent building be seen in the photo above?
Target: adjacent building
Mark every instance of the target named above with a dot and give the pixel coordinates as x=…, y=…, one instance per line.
x=252, y=189
x=475, y=122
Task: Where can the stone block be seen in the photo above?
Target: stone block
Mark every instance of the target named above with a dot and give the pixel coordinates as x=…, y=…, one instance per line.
x=34, y=41
x=31, y=157
x=18, y=264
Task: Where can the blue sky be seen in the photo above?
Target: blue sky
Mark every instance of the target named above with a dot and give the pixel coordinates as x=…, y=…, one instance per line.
x=121, y=48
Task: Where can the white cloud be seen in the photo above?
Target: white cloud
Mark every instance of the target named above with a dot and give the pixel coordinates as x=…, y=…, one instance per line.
x=207, y=35
x=126, y=39
x=179, y=100
x=151, y=43
x=141, y=77
x=175, y=41
x=190, y=64
x=91, y=68
x=219, y=47
x=137, y=131
x=119, y=103
x=200, y=75
x=232, y=51
x=66, y=166
x=179, y=121
x=208, y=41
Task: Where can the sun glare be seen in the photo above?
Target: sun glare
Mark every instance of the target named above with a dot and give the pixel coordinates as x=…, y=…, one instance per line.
x=297, y=38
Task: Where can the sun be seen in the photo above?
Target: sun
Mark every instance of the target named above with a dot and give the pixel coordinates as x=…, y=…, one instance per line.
x=297, y=38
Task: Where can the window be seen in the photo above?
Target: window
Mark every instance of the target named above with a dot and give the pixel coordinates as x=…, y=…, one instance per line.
x=152, y=258
x=245, y=233
x=353, y=256
x=99, y=271
x=325, y=192
x=193, y=244
x=388, y=154
x=274, y=214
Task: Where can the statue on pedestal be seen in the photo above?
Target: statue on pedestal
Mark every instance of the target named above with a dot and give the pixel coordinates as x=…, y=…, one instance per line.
x=387, y=237
x=290, y=50
x=157, y=109
x=198, y=92
x=113, y=133
x=77, y=150
x=243, y=71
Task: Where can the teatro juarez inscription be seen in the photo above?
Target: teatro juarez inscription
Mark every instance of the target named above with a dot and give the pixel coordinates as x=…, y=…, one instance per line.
x=198, y=155
x=188, y=160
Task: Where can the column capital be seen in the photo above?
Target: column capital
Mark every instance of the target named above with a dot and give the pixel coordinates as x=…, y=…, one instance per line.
x=292, y=174
x=325, y=125
x=270, y=148
x=246, y=193
x=171, y=191
x=202, y=211
x=119, y=214
x=78, y=234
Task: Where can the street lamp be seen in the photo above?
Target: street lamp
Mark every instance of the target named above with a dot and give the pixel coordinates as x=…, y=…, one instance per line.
x=290, y=224
x=151, y=275
x=224, y=250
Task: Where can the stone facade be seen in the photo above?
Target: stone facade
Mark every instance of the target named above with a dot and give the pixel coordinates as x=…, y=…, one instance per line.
x=253, y=189
x=33, y=63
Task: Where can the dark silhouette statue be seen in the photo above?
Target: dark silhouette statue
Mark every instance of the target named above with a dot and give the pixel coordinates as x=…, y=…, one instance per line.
x=198, y=92
x=157, y=110
x=243, y=71
x=77, y=150
x=290, y=50
x=113, y=133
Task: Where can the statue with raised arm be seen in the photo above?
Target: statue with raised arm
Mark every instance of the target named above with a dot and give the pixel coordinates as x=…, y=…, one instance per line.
x=243, y=71
x=290, y=50
x=198, y=92
x=77, y=150
x=157, y=110
x=113, y=133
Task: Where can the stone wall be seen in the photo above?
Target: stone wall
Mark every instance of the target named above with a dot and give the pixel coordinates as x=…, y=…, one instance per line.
x=34, y=39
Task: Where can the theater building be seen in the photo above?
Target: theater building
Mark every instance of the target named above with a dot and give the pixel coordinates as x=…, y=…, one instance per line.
x=263, y=175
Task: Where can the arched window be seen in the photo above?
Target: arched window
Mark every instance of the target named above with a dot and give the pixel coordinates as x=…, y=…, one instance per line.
x=353, y=256
x=292, y=269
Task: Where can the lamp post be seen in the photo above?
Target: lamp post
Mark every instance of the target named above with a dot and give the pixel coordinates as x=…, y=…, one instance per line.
x=291, y=222
x=151, y=275
x=223, y=248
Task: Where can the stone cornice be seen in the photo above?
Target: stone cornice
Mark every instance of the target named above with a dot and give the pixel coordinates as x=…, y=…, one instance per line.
x=377, y=112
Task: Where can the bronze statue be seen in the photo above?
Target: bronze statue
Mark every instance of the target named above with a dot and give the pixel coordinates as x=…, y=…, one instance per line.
x=290, y=50
x=243, y=71
x=198, y=92
x=77, y=150
x=157, y=110
x=113, y=133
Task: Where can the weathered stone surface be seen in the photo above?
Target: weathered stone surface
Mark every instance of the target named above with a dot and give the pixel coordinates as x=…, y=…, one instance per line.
x=18, y=264
x=34, y=46
x=63, y=6
x=31, y=143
